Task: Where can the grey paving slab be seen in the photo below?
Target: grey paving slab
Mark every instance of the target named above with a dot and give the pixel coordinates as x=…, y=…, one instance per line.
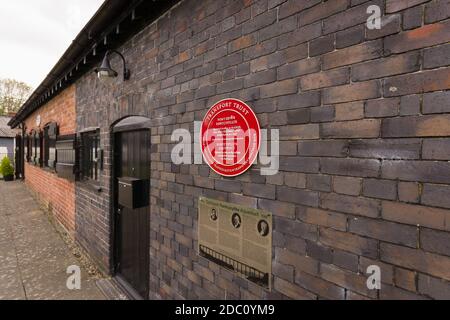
x=33, y=256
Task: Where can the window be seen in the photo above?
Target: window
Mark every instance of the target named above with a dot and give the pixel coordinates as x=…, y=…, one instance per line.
x=31, y=144
x=26, y=148
x=36, y=139
x=66, y=167
x=35, y=147
x=39, y=151
x=91, y=155
x=49, y=145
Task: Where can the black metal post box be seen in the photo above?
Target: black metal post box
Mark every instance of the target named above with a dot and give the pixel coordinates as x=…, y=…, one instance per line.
x=133, y=192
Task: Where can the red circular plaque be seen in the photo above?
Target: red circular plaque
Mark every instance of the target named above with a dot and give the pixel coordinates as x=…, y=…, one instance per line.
x=230, y=137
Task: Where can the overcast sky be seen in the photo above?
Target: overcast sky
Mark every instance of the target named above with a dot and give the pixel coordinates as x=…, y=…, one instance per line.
x=35, y=33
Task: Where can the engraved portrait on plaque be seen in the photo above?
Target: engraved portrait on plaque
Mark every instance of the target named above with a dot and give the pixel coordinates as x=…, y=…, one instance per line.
x=236, y=220
x=263, y=228
x=213, y=215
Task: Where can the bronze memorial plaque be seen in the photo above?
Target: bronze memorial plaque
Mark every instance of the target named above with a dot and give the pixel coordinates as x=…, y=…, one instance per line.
x=237, y=238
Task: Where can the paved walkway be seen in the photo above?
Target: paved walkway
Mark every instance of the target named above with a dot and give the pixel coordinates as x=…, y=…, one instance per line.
x=33, y=256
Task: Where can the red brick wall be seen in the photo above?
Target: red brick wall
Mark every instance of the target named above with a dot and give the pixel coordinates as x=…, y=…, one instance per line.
x=55, y=193
x=61, y=109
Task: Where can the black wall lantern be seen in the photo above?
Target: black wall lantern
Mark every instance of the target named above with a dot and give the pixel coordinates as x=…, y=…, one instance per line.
x=105, y=70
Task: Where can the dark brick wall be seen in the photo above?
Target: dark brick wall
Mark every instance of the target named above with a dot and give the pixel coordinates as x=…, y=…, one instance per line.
x=364, y=122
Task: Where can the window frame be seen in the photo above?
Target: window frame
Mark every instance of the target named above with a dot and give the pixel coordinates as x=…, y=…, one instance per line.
x=67, y=155
x=34, y=139
x=35, y=147
x=26, y=148
x=50, y=136
x=39, y=152
x=91, y=159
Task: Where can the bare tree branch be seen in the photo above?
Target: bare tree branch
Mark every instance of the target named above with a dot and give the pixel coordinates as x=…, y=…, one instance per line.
x=13, y=95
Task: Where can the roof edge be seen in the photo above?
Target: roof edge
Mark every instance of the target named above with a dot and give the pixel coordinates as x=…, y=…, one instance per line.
x=114, y=23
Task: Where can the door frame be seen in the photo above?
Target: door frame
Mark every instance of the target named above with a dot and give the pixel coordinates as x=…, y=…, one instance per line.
x=18, y=156
x=23, y=134
x=126, y=124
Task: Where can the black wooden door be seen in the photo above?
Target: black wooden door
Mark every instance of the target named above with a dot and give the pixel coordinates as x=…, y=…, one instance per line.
x=19, y=157
x=132, y=153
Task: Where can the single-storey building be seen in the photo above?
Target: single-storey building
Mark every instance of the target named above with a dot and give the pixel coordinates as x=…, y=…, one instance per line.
x=363, y=118
x=7, y=139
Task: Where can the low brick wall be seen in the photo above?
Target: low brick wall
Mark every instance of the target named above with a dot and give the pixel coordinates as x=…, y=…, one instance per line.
x=58, y=195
